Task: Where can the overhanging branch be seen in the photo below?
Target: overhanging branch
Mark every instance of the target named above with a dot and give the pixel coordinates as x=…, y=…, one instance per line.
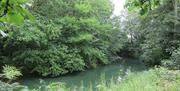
x=5, y=8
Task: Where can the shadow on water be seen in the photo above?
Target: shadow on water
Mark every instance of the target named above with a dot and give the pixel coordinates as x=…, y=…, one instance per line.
x=91, y=76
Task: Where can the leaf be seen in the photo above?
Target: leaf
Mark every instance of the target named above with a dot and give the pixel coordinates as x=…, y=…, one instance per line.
x=25, y=13
x=29, y=15
x=15, y=18
x=2, y=19
x=82, y=37
x=22, y=1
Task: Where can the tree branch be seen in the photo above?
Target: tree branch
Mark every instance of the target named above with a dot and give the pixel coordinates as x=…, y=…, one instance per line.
x=5, y=8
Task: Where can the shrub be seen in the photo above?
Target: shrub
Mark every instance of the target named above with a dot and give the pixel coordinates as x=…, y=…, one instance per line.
x=151, y=54
x=174, y=61
x=52, y=87
x=10, y=72
x=11, y=87
x=53, y=61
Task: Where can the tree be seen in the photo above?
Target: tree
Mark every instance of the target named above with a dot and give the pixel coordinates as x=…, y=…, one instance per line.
x=144, y=6
x=68, y=36
x=160, y=31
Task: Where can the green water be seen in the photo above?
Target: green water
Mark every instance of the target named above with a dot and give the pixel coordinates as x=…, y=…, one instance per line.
x=89, y=77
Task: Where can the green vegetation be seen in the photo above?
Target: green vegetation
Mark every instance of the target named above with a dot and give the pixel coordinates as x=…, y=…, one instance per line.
x=158, y=79
x=56, y=37
x=9, y=74
x=156, y=39
x=152, y=80
x=14, y=12
x=79, y=36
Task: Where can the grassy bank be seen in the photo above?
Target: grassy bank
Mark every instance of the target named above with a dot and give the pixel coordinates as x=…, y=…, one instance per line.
x=153, y=80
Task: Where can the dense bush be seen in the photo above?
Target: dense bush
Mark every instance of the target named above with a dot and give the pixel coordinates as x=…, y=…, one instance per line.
x=10, y=72
x=64, y=39
x=152, y=48
x=174, y=61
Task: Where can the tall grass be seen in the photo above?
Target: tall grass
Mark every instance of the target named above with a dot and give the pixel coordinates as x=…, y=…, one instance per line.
x=158, y=79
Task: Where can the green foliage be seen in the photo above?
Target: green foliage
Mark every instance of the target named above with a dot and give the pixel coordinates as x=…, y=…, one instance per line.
x=67, y=36
x=72, y=35
x=17, y=87
x=94, y=56
x=14, y=12
x=144, y=6
x=81, y=37
x=54, y=61
x=156, y=79
x=156, y=36
x=118, y=37
x=10, y=72
x=11, y=87
x=83, y=9
x=152, y=53
x=174, y=61
x=51, y=87
x=163, y=38
x=29, y=35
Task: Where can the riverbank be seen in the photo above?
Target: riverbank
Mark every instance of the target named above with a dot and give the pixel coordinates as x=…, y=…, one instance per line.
x=90, y=76
x=157, y=79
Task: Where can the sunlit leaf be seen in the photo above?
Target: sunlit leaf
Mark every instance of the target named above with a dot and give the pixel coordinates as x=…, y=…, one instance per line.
x=15, y=18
